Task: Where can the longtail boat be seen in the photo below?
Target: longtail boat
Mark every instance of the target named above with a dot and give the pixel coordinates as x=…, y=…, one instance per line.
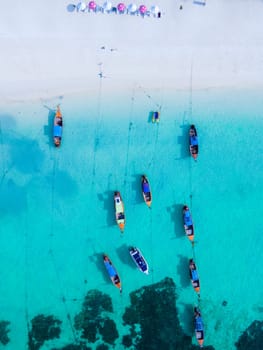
x=199, y=327
x=188, y=223
x=194, y=276
x=193, y=142
x=119, y=210
x=146, y=191
x=57, y=129
x=155, y=117
x=112, y=272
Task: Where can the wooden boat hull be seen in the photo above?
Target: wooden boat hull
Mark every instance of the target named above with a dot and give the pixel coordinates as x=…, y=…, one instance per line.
x=194, y=276
x=119, y=211
x=155, y=117
x=146, y=191
x=188, y=223
x=199, y=327
x=189, y=235
x=193, y=142
x=200, y=338
x=57, y=129
x=112, y=272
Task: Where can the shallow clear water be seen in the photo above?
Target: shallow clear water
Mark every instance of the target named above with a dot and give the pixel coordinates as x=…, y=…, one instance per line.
x=57, y=218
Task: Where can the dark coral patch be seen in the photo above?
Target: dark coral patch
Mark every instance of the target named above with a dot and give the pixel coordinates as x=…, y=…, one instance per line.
x=4, y=330
x=153, y=319
x=43, y=328
x=252, y=337
x=108, y=331
x=93, y=320
x=127, y=341
x=102, y=347
x=154, y=309
x=74, y=347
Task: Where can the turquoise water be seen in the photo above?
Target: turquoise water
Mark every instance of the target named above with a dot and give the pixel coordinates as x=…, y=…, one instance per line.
x=57, y=218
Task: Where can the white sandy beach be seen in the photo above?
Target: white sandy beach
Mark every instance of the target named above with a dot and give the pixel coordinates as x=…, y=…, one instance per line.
x=47, y=51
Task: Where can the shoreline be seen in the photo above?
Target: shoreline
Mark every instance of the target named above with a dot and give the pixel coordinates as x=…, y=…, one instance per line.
x=79, y=94
x=200, y=47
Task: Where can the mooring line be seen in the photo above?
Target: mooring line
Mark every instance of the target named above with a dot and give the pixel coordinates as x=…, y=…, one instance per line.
x=191, y=92
x=2, y=152
x=97, y=127
x=193, y=251
x=51, y=251
x=26, y=274
x=152, y=162
x=63, y=299
x=4, y=168
x=127, y=155
x=151, y=238
x=157, y=105
x=190, y=184
x=129, y=140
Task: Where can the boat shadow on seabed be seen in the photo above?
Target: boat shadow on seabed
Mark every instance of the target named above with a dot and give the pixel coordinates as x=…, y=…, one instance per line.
x=136, y=185
x=183, y=141
x=48, y=128
x=183, y=272
x=175, y=212
x=124, y=256
x=107, y=199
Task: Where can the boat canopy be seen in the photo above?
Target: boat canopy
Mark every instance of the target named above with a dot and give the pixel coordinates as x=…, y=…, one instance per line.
x=121, y=216
x=117, y=200
x=57, y=131
x=139, y=260
x=146, y=187
x=119, y=206
x=193, y=140
x=187, y=218
x=194, y=275
x=110, y=269
x=199, y=324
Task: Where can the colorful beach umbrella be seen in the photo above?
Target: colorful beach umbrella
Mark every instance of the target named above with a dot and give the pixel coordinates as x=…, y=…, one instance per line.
x=107, y=6
x=92, y=5
x=71, y=7
x=121, y=7
x=132, y=8
x=142, y=9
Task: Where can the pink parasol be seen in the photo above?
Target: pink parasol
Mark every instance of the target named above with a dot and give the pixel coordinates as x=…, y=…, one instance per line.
x=142, y=9
x=121, y=7
x=92, y=5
